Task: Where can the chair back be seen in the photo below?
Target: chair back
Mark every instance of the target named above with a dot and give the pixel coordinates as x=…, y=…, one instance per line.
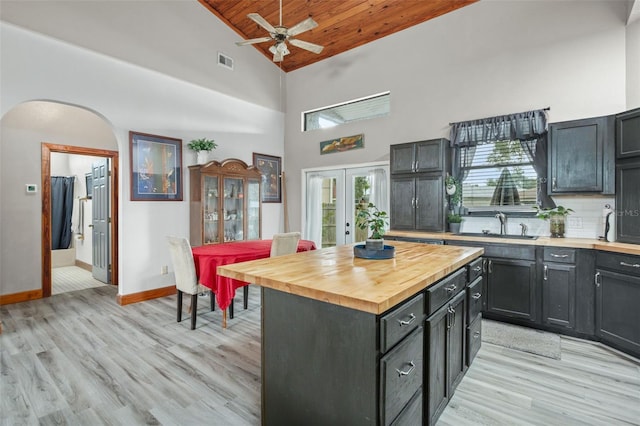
x=286, y=243
x=185, y=269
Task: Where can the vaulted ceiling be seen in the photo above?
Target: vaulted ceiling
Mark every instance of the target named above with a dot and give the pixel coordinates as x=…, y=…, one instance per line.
x=342, y=24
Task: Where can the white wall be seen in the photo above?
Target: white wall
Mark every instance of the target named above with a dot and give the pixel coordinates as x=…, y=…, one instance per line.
x=486, y=59
x=633, y=64
x=125, y=97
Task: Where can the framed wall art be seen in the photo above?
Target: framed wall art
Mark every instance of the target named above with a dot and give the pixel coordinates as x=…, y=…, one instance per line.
x=345, y=143
x=271, y=168
x=156, y=167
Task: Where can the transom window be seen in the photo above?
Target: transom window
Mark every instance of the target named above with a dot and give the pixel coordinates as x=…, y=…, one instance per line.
x=346, y=112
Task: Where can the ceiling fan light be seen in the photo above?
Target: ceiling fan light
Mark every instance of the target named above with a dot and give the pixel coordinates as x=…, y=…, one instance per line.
x=282, y=48
x=272, y=49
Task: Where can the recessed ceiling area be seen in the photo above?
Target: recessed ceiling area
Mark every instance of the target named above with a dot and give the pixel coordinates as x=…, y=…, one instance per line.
x=342, y=25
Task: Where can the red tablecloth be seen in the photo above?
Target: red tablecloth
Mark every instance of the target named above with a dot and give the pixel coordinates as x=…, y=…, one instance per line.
x=208, y=257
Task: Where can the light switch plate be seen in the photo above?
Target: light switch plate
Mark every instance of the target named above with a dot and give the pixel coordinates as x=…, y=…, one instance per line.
x=31, y=188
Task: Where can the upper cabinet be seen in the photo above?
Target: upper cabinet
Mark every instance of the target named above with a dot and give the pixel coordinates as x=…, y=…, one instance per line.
x=628, y=134
x=418, y=170
x=225, y=202
x=581, y=156
x=628, y=176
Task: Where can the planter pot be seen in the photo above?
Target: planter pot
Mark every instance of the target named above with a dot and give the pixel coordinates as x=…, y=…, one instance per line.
x=454, y=228
x=556, y=226
x=202, y=157
x=372, y=244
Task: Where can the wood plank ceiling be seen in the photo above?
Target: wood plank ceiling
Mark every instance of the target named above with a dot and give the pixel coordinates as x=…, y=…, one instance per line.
x=342, y=24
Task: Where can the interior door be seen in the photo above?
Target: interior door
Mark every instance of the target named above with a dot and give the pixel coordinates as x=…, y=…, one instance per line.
x=100, y=221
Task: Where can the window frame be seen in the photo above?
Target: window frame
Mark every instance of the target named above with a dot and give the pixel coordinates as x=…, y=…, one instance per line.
x=386, y=95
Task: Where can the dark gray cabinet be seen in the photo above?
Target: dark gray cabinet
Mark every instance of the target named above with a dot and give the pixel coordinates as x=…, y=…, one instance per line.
x=511, y=289
x=628, y=176
x=581, y=156
x=418, y=170
x=628, y=134
x=559, y=289
x=617, y=282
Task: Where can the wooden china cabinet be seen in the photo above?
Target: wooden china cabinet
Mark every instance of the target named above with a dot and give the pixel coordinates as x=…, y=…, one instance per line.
x=225, y=202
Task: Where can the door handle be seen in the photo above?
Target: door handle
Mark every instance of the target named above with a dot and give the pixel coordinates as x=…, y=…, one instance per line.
x=546, y=276
x=347, y=232
x=597, y=279
x=90, y=225
x=490, y=266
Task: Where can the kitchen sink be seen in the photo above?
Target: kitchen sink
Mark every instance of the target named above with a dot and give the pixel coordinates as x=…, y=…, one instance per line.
x=505, y=236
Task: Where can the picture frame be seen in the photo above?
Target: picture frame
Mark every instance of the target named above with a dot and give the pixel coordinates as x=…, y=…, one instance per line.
x=156, y=167
x=270, y=168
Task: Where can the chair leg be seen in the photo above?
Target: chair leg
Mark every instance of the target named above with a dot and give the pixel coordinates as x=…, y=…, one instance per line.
x=179, y=306
x=212, y=301
x=231, y=310
x=245, y=291
x=194, y=308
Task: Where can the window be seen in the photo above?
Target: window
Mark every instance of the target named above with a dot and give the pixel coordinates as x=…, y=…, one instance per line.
x=498, y=173
x=358, y=109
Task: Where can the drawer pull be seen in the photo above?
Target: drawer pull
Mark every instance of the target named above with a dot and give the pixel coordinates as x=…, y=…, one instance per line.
x=597, y=279
x=562, y=256
x=451, y=288
x=477, y=268
x=476, y=334
x=633, y=265
x=404, y=373
x=409, y=321
x=477, y=296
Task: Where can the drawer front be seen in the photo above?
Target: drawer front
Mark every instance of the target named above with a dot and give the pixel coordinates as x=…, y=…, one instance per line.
x=440, y=293
x=401, y=372
x=559, y=254
x=474, y=269
x=474, y=338
x=623, y=263
x=395, y=325
x=412, y=413
x=512, y=251
x=474, y=299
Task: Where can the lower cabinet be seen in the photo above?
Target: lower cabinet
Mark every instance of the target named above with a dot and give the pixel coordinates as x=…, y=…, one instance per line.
x=445, y=355
x=511, y=288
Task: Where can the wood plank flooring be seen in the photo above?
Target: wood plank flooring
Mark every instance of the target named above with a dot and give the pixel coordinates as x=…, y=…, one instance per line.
x=72, y=278
x=81, y=359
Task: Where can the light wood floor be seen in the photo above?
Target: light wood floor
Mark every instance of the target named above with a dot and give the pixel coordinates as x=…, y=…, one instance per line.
x=72, y=278
x=80, y=359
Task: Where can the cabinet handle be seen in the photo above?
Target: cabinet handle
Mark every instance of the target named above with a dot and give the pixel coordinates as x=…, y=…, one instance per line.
x=401, y=373
x=632, y=265
x=554, y=184
x=417, y=166
x=477, y=268
x=597, y=279
x=484, y=265
x=450, y=289
x=562, y=256
x=477, y=296
x=490, y=266
x=416, y=203
x=476, y=334
x=409, y=321
x=546, y=269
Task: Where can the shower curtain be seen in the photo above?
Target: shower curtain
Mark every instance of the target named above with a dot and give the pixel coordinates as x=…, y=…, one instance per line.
x=61, y=210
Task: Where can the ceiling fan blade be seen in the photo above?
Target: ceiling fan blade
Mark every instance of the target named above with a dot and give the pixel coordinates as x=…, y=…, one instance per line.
x=255, y=17
x=315, y=48
x=300, y=27
x=253, y=41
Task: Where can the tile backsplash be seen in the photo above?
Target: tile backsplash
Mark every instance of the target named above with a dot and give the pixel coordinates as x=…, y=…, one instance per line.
x=586, y=221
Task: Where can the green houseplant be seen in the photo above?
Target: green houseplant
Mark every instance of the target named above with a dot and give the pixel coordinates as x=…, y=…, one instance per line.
x=370, y=217
x=202, y=147
x=454, y=220
x=556, y=217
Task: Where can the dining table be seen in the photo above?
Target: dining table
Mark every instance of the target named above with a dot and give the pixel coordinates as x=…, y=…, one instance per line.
x=208, y=257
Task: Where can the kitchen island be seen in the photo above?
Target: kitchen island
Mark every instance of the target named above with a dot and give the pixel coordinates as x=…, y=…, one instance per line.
x=348, y=340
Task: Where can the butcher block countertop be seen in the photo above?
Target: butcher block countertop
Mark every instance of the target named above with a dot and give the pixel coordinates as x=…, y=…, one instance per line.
x=586, y=243
x=334, y=275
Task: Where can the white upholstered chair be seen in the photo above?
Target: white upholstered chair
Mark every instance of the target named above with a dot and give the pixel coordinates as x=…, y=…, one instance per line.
x=186, y=279
x=286, y=243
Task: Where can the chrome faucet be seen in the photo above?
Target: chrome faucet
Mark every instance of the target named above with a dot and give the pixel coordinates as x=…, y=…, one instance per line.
x=524, y=229
x=503, y=222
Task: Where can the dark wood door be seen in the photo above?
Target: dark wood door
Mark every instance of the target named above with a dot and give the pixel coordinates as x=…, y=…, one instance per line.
x=457, y=341
x=430, y=203
x=628, y=202
x=617, y=313
x=628, y=134
x=402, y=209
x=559, y=295
x=430, y=155
x=576, y=155
x=437, y=336
x=402, y=158
x=511, y=288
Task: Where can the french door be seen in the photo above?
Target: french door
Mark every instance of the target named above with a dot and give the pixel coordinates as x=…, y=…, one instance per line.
x=333, y=197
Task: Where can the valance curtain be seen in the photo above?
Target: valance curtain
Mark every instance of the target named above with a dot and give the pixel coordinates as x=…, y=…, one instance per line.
x=61, y=210
x=529, y=128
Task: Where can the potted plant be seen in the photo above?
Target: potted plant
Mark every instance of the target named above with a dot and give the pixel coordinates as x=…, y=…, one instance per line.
x=370, y=217
x=202, y=147
x=454, y=220
x=556, y=217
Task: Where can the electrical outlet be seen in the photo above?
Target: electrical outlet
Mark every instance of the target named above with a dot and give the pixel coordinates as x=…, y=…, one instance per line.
x=575, y=222
x=164, y=270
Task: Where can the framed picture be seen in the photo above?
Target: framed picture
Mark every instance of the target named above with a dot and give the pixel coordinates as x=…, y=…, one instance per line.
x=345, y=143
x=271, y=168
x=156, y=167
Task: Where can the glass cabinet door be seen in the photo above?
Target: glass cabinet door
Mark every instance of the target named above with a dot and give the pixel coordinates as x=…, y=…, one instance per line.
x=253, y=209
x=210, y=214
x=233, y=208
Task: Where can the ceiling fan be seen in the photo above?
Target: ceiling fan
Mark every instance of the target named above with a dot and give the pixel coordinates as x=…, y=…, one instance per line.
x=281, y=35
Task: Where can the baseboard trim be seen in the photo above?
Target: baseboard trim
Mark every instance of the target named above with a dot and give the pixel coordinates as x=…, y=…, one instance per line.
x=127, y=299
x=83, y=265
x=7, y=299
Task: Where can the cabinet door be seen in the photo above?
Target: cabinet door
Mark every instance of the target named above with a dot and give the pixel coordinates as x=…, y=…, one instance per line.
x=436, y=357
x=402, y=158
x=456, y=344
x=617, y=313
x=430, y=156
x=233, y=209
x=559, y=295
x=576, y=155
x=211, y=215
x=628, y=202
x=430, y=203
x=403, y=203
x=628, y=134
x=253, y=210
x=511, y=288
